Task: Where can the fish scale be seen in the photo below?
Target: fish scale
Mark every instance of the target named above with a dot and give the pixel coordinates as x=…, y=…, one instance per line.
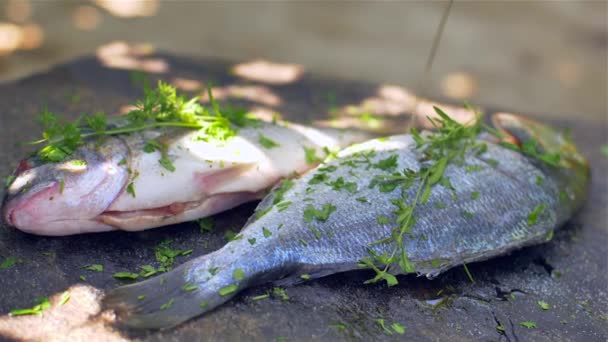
x=287, y=246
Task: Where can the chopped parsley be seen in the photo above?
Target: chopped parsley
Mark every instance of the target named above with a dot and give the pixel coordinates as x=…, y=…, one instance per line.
x=260, y=297
x=160, y=107
x=94, y=267
x=9, y=262
x=266, y=142
x=226, y=290
x=318, y=178
x=533, y=216
x=206, y=224
x=383, y=220
x=65, y=297
x=310, y=213
x=279, y=193
x=543, y=305
x=305, y=276
x=474, y=195
x=267, y=233
x=232, y=236
x=466, y=214
x=311, y=155
x=126, y=276
x=283, y=205
x=466, y=270
x=362, y=199
x=528, y=324
x=251, y=241
x=238, y=274
x=281, y=293
x=190, y=287
x=168, y=304
x=42, y=304
x=387, y=164
x=9, y=180
x=261, y=213
x=341, y=184
x=398, y=328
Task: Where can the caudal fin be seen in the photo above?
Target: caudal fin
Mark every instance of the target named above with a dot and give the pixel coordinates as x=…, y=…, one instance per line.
x=177, y=296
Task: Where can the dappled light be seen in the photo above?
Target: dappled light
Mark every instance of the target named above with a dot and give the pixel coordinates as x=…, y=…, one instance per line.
x=259, y=94
x=32, y=38
x=11, y=36
x=186, y=84
x=392, y=110
x=459, y=85
x=268, y=72
x=18, y=10
x=77, y=319
x=121, y=55
x=265, y=114
x=568, y=73
x=129, y=8
x=86, y=18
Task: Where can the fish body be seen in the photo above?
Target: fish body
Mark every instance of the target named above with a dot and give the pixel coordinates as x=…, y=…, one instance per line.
x=121, y=183
x=328, y=220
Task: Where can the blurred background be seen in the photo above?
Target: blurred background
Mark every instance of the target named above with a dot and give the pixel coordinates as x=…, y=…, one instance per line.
x=544, y=57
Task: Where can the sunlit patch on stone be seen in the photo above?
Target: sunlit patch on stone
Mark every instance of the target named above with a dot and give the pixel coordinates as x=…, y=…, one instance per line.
x=186, y=84
x=79, y=319
x=129, y=8
x=120, y=55
x=11, y=37
x=86, y=18
x=259, y=94
x=18, y=10
x=459, y=85
x=568, y=73
x=392, y=110
x=268, y=72
x=33, y=37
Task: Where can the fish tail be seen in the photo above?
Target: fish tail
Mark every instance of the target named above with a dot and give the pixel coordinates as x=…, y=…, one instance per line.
x=179, y=295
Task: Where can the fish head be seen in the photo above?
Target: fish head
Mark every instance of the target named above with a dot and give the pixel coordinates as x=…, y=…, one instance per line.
x=62, y=198
x=572, y=172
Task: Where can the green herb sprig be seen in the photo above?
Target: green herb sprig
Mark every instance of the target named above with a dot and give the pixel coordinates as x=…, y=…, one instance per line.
x=160, y=107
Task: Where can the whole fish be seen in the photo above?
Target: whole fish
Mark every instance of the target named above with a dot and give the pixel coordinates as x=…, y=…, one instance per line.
x=118, y=185
x=328, y=220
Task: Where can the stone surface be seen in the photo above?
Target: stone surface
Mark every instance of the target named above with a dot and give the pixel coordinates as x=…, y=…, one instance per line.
x=569, y=272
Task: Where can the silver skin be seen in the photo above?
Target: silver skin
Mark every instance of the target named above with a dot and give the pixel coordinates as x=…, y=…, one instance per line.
x=89, y=191
x=287, y=247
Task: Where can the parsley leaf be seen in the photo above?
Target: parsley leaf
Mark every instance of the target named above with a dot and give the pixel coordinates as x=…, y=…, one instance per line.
x=267, y=142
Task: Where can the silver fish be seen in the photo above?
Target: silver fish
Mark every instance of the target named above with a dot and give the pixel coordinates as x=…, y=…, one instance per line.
x=280, y=243
x=116, y=185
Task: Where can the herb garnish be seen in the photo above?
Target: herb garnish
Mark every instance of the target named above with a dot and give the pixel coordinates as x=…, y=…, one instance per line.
x=322, y=214
x=543, y=305
x=9, y=262
x=65, y=297
x=533, y=216
x=267, y=142
x=94, y=267
x=528, y=324
x=160, y=107
x=226, y=290
x=168, y=304
x=43, y=303
x=206, y=224
x=311, y=155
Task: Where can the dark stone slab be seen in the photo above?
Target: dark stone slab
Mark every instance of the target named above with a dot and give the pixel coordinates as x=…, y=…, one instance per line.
x=569, y=272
